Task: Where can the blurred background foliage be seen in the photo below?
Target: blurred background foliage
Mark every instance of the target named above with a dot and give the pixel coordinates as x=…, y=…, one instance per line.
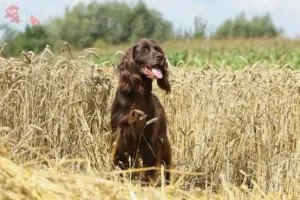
x=106, y=24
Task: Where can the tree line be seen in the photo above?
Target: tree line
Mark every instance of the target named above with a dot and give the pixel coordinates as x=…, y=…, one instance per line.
x=97, y=24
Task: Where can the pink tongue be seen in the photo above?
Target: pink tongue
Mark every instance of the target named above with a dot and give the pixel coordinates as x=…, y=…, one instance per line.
x=157, y=73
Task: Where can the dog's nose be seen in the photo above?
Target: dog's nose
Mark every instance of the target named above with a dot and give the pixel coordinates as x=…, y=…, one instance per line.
x=159, y=57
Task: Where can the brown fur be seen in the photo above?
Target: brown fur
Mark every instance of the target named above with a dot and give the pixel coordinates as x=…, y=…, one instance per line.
x=135, y=92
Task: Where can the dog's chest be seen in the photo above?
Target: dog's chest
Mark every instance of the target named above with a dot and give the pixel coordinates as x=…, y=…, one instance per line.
x=145, y=107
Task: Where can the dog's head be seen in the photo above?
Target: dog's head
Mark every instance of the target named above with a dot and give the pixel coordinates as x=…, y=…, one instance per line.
x=145, y=60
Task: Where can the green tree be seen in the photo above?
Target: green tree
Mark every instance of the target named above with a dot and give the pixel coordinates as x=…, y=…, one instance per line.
x=8, y=33
x=224, y=30
x=262, y=26
x=111, y=23
x=200, y=28
x=144, y=22
x=75, y=27
x=33, y=38
x=240, y=27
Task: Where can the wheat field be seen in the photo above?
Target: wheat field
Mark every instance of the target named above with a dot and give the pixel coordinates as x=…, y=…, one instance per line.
x=235, y=134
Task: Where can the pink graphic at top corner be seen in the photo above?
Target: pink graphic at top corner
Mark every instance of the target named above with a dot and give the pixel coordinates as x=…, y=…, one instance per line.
x=12, y=13
x=34, y=20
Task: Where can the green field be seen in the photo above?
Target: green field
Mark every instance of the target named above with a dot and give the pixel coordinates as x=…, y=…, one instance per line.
x=198, y=53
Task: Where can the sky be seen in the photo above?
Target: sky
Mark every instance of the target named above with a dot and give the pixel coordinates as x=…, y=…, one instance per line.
x=285, y=13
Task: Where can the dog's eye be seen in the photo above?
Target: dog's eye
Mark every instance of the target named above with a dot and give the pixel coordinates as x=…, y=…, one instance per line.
x=145, y=50
x=156, y=48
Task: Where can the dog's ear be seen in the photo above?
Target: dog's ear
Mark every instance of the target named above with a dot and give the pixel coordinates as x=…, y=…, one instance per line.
x=163, y=83
x=129, y=79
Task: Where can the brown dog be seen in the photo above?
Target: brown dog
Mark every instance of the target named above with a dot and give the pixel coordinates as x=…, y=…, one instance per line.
x=142, y=64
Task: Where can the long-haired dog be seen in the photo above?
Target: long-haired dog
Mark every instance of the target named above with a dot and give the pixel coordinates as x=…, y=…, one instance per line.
x=138, y=119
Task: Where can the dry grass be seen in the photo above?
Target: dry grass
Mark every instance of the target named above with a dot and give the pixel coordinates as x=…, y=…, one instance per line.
x=235, y=134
